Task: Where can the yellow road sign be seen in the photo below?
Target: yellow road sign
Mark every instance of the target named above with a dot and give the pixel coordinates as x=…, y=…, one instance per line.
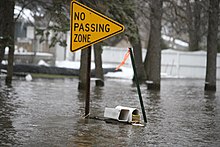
x=89, y=26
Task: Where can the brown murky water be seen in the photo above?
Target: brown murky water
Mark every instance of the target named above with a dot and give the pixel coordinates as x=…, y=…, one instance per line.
x=48, y=113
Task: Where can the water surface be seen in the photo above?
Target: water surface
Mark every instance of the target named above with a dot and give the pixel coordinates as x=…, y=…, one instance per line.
x=48, y=112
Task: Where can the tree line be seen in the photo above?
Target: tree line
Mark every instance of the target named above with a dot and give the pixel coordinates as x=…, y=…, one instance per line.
x=195, y=21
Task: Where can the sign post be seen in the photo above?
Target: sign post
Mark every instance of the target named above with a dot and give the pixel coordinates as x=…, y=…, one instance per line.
x=87, y=101
x=138, y=85
x=87, y=28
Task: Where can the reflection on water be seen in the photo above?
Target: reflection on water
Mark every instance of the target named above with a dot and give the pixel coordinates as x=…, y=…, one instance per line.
x=49, y=113
x=7, y=109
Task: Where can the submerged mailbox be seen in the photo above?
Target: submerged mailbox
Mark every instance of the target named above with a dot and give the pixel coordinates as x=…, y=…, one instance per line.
x=123, y=114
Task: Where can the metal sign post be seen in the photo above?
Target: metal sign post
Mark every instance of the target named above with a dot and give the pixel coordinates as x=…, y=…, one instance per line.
x=138, y=85
x=87, y=101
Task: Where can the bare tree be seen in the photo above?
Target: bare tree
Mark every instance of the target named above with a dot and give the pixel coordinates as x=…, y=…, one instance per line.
x=135, y=41
x=7, y=23
x=2, y=29
x=152, y=61
x=212, y=41
x=125, y=12
x=98, y=65
x=193, y=15
x=7, y=32
x=2, y=48
x=187, y=20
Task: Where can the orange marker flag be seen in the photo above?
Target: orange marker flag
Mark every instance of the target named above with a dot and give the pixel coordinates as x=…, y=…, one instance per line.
x=123, y=61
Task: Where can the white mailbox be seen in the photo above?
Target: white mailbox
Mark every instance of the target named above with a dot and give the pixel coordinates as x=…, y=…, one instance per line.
x=123, y=114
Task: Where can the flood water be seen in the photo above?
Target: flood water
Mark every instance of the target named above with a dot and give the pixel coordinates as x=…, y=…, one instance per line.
x=48, y=112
